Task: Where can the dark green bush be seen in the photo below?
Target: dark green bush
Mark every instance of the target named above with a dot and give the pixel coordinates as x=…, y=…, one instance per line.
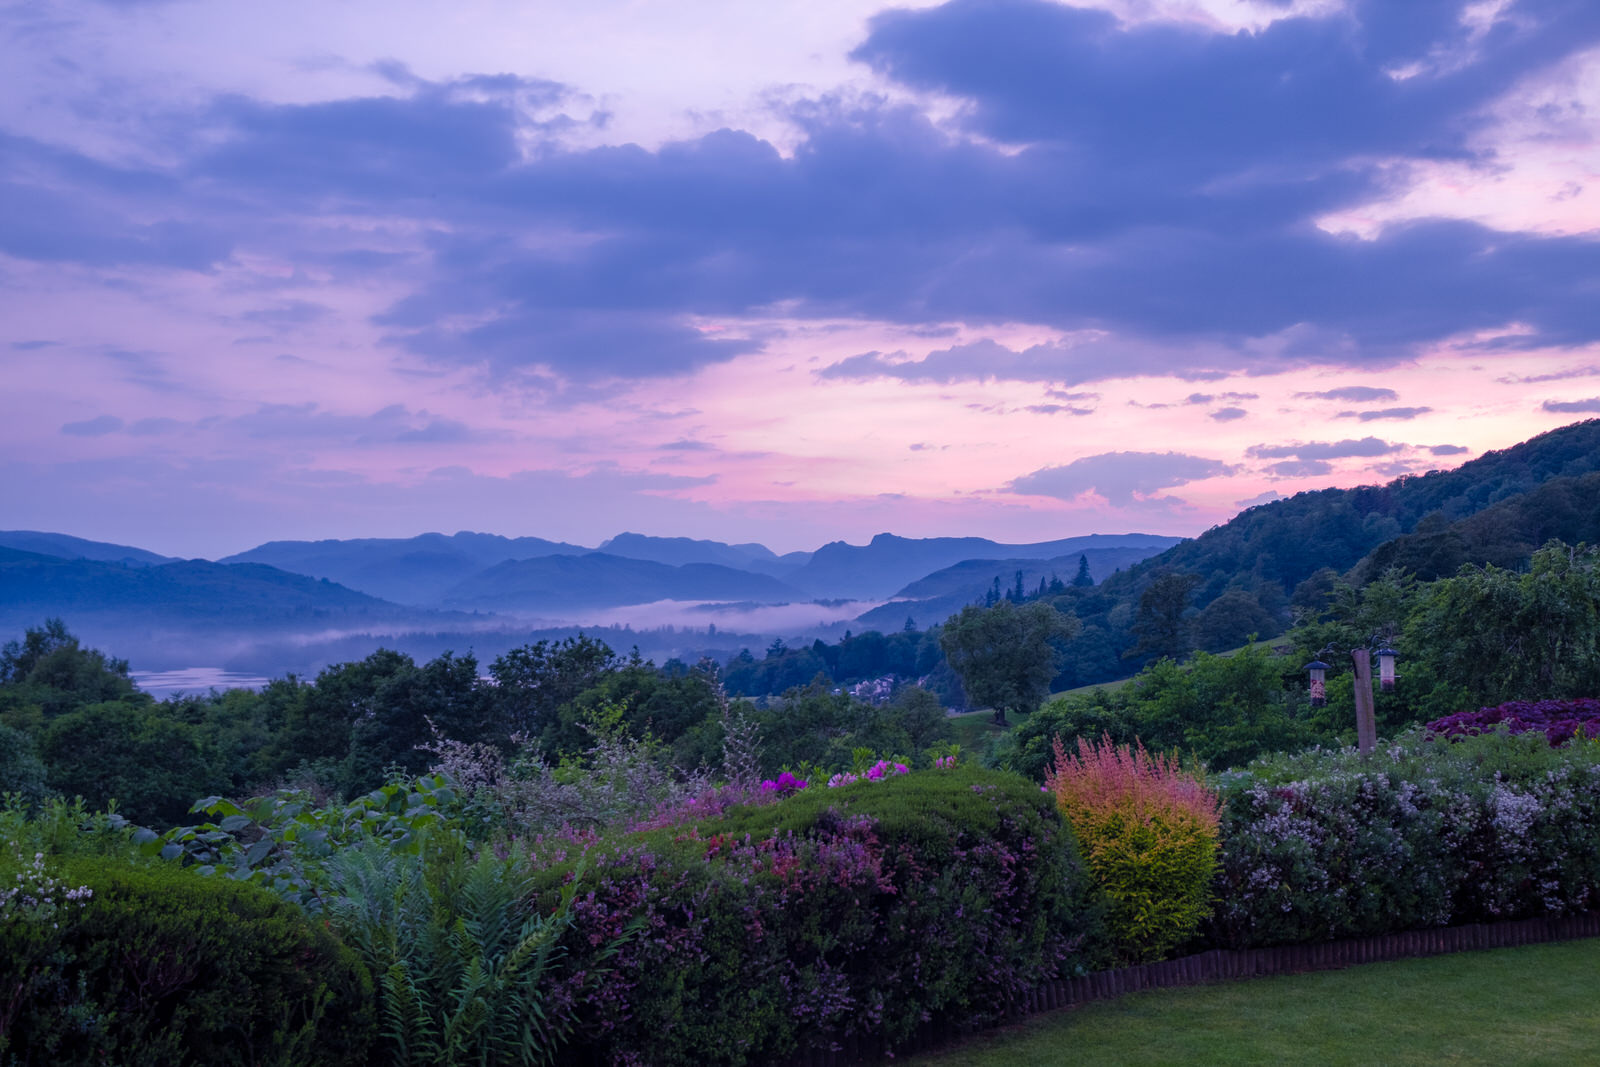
x=858, y=911
x=163, y=966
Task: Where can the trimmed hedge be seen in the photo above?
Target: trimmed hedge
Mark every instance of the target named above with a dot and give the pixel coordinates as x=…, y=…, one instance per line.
x=1328, y=845
x=857, y=911
x=164, y=966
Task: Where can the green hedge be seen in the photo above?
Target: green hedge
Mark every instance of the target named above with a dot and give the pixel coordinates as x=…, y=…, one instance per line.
x=858, y=911
x=163, y=967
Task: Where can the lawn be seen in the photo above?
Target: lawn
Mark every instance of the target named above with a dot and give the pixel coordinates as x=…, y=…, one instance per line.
x=1532, y=1005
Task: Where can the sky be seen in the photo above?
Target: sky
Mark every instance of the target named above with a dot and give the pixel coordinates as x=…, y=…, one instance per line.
x=792, y=272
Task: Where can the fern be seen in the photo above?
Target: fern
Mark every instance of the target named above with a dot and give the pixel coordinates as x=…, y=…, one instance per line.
x=466, y=968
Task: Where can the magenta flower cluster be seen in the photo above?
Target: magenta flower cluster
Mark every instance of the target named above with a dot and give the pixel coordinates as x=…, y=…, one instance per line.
x=784, y=784
x=1558, y=720
x=875, y=773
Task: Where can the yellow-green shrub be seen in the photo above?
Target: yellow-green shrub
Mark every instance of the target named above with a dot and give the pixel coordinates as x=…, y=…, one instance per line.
x=1148, y=832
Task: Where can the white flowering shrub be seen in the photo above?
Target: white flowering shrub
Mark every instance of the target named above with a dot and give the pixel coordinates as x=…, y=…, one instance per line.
x=1327, y=844
x=34, y=895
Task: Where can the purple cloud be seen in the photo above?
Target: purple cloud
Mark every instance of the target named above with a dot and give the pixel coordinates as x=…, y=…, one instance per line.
x=1572, y=406
x=1384, y=413
x=1352, y=394
x=1321, y=450
x=1299, y=468
x=1119, y=477
x=98, y=426
x=1229, y=414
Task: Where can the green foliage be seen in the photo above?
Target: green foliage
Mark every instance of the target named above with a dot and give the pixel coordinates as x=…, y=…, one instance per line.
x=463, y=959
x=817, y=727
x=160, y=966
x=1006, y=654
x=149, y=765
x=1222, y=710
x=21, y=771
x=284, y=842
x=1161, y=624
x=1489, y=635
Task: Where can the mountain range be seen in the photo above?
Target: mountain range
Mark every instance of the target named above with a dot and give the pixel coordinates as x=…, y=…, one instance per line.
x=1238, y=578
x=473, y=583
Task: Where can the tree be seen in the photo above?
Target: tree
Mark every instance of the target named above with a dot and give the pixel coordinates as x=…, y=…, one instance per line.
x=1083, y=579
x=535, y=680
x=1006, y=653
x=1230, y=620
x=1160, y=626
x=1489, y=635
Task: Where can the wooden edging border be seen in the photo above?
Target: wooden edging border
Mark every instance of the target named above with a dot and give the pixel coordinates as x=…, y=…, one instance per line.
x=1222, y=965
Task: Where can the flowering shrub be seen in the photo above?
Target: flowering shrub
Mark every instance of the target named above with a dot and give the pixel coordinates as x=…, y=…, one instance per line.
x=1558, y=720
x=37, y=896
x=875, y=773
x=783, y=785
x=860, y=910
x=1327, y=844
x=1148, y=831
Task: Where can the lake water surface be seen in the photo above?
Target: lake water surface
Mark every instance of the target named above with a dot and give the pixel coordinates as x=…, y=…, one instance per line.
x=162, y=684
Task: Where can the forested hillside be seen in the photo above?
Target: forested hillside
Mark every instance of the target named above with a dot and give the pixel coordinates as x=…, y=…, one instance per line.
x=1244, y=576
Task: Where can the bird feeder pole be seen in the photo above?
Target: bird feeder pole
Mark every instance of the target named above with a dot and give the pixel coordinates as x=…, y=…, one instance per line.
x=1366, y=718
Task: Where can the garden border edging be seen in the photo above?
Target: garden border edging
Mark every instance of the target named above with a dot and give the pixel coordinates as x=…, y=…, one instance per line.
x=1222, y=965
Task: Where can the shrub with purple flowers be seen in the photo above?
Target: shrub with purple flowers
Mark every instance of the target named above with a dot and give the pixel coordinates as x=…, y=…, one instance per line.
x=1558, y=720
x=1327, y=844
x=860, y=910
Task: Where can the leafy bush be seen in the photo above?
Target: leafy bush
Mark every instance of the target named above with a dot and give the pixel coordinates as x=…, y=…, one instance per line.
x=158, y=966
x=1148, y=831
x=283, y=842
x=1328, y=844
x=1559, y=720
x=859, y=910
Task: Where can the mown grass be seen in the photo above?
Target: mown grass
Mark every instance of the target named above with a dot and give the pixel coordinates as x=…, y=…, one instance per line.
x=1532, y=1005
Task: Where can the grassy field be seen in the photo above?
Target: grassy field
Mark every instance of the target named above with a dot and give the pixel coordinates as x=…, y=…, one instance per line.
x=1533, y=1005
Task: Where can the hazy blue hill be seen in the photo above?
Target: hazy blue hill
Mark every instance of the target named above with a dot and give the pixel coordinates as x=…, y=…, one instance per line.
x=552, y=584
x=677, y=551
x=68, y=547
x=412, y=570
x=887, y=564
x=937, y=596
x=33, y=586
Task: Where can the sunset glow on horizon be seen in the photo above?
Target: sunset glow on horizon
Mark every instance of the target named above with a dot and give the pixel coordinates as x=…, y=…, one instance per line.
x=790, y=273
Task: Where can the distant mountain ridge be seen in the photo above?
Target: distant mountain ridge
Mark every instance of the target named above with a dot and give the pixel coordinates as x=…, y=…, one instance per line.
x=562, y=583
x=411, y=570
x=937, y=596
x=888, y=563
x=64, y=546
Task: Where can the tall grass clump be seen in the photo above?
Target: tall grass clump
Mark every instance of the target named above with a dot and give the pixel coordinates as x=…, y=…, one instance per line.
x=1148, y=831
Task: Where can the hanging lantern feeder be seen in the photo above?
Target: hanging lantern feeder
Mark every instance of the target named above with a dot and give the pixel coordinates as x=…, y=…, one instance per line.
x=1386, y=675
x=1318, y=687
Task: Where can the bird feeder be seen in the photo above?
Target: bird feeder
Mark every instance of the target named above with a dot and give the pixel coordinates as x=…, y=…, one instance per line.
x=1386, y=673
x=1318, y=671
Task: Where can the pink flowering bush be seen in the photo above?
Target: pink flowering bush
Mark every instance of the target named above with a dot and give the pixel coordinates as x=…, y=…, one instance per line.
x=1148, y=830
